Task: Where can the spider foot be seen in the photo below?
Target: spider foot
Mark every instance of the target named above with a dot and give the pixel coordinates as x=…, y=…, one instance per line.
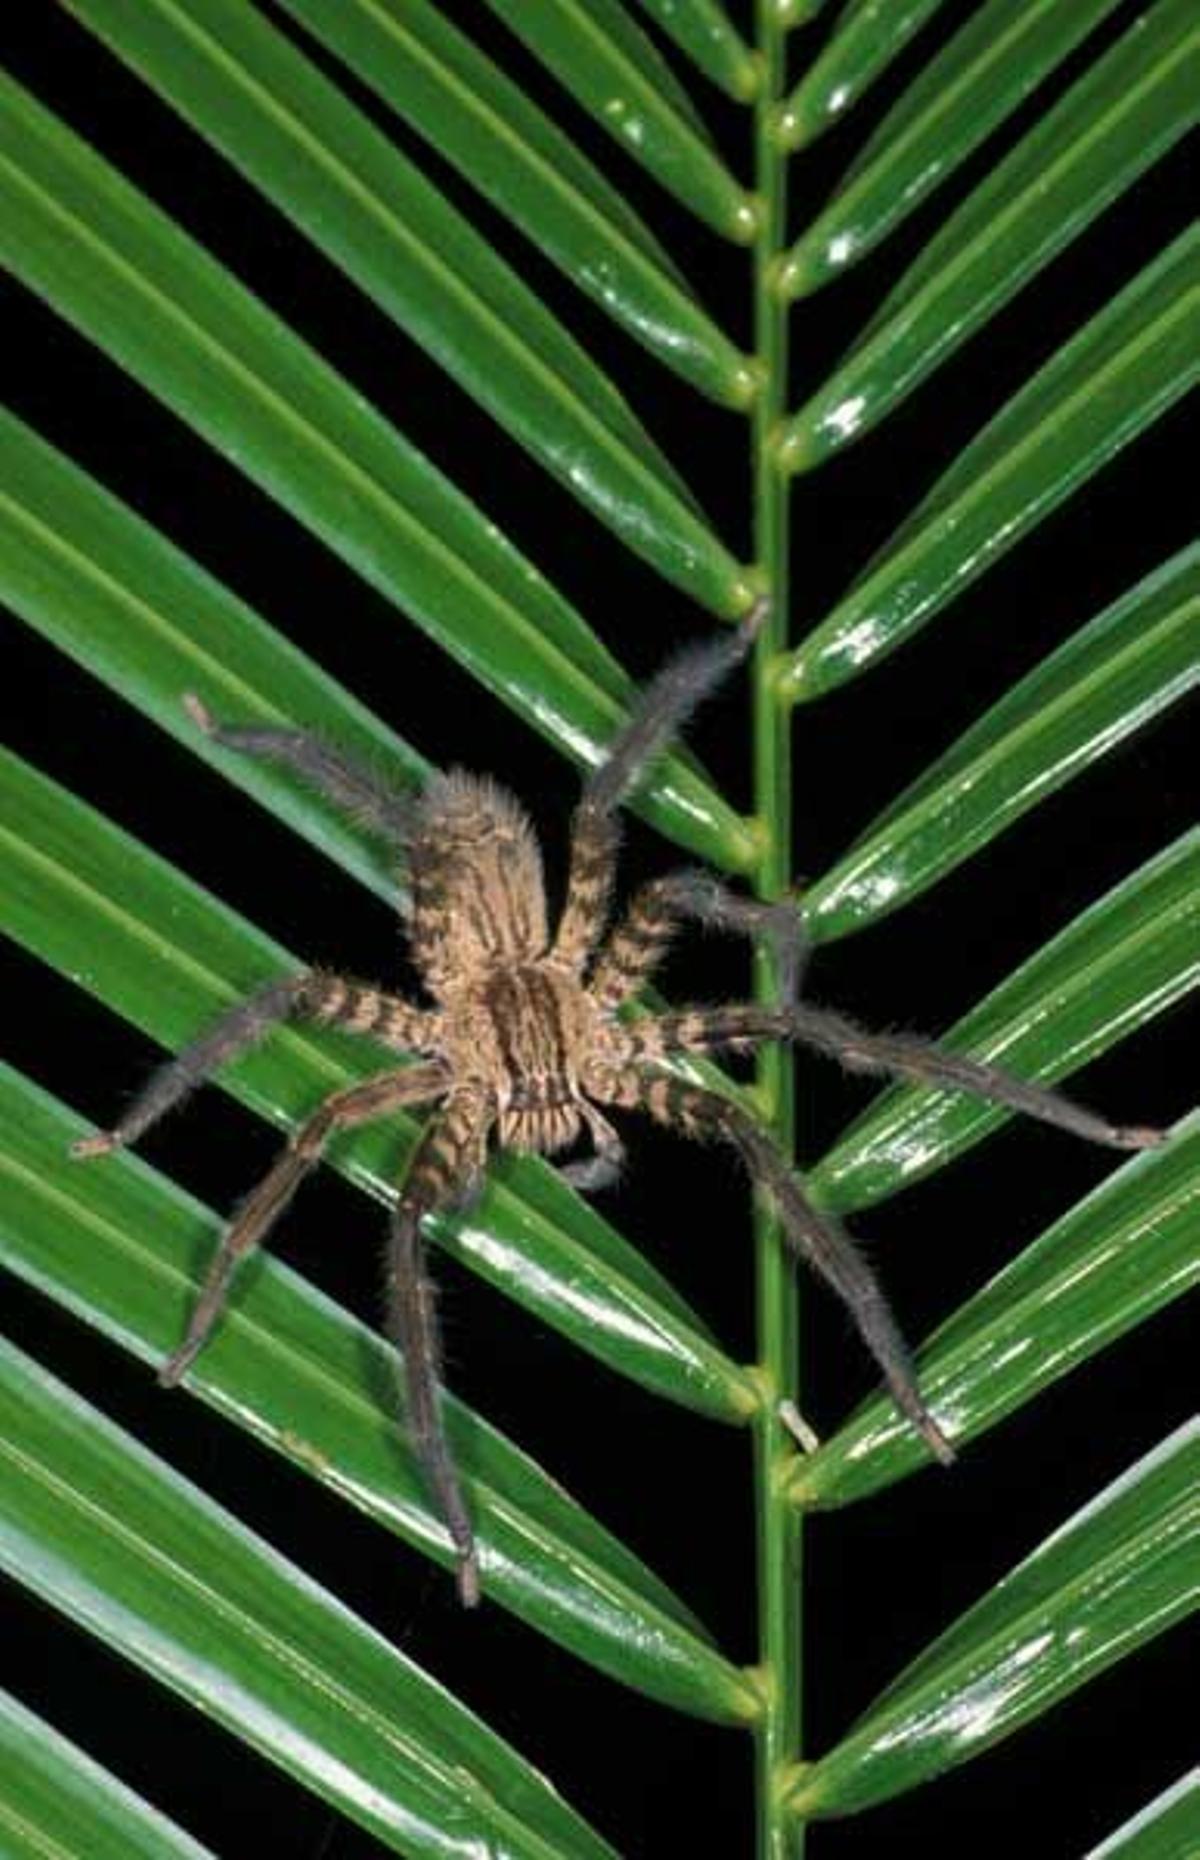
x=1138, y=1137
x=934, y=1438
x=466, y=1576
x=199, y=713
x=802, y=1432
x=99, y=1145
x=175, y=1368
x=756, y=619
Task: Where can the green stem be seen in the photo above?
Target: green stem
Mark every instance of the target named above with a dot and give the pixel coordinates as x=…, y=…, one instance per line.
x=778, y=1531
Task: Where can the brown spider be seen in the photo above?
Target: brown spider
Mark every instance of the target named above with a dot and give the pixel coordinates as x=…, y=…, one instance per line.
x=524, y=1041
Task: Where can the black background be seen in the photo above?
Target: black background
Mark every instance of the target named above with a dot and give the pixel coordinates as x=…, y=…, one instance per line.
x=887, y=1575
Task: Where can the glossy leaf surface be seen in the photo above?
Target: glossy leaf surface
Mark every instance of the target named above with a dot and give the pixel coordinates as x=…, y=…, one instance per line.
x=323, y=164
x=162, y=952
x=1110, y=679
x=153, y=299
x=113, y=1538
x=124, y=1249
x=599, y=54
x=1120, y=373
x=865, y=41
x=122, y=600
x=1126, y=111
x=467, y=108
x=1164, y=1829
x=1122, y=1570
x=702, y=29
x=1117, y=1257
x=1123, y=961
x=55, y=1803
x=985, y=72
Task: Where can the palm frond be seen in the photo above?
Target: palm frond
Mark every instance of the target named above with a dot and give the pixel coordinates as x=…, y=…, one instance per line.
x=534, y=230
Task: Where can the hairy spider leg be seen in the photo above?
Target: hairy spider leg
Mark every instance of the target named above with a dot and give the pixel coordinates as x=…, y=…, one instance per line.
x=640, y=941
x=445, y=1168
x=663, y=707
x=820, y=1240
x=356, y=790
x=313, y=995
x=357, y=1104
x=897, y=1055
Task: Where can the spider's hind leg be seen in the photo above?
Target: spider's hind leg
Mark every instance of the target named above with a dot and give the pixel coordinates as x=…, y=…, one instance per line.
x=445, y=1168
x=890, y=1055
x=817, y=1237
x=357, y=1104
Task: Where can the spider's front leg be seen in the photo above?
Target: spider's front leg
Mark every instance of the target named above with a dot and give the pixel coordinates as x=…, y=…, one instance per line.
x=818, y=1238
x=357, y=1104
x=670, y=697
x=641, y=939
x=355, y=789
x=448, y=1162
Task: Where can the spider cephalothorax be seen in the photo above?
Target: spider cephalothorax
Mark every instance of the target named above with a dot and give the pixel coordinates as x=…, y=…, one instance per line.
x=523, y=1045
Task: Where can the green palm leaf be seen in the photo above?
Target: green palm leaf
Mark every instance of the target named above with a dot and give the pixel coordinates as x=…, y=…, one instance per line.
x=702, y=30
x=494, y=134
x=1124, y=960
x=294, y=136
x=1110, y=679
x=1167, y=1826
x=986, y=71
x=290, y=1369
x=868, y=36
x=101, y=1530
x=1125, y=111
x=153, y=945
x=1121, y=373
x=55, y=1800
x=115, y=594
x=596, y=50
x=459, y=185
x=1124, y=1252
x=1121, y=1570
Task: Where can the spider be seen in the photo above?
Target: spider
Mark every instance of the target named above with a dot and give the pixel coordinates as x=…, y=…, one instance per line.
x=523, y=1044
